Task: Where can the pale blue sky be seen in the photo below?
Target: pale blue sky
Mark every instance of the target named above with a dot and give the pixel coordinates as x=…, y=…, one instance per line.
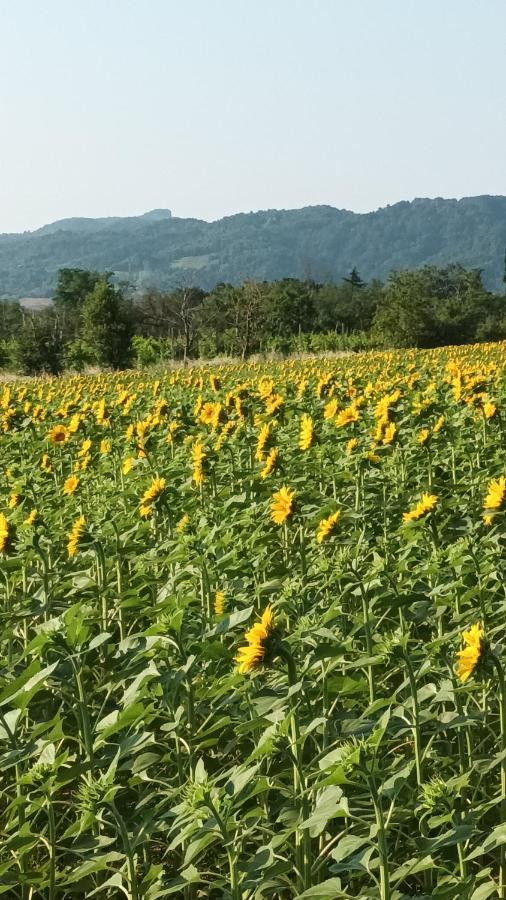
x=210, y=107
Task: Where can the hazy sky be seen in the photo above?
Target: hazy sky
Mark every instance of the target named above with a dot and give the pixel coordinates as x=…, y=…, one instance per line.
x=210, y=107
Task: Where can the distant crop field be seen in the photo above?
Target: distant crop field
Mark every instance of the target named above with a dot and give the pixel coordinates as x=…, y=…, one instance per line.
x=253, y=623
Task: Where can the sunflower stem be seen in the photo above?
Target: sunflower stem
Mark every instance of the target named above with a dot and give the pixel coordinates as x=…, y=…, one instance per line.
x=502, y=724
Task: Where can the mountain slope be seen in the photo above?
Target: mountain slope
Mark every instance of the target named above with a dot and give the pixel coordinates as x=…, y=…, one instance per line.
x=318, y=241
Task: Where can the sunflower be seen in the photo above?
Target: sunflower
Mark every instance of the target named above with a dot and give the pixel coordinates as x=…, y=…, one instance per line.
x=198, y=457
x=306, y=434
x=30, y=519
x=183, y=522
x=219, y=603
x=326, y=526
x=150, y=496
x=6, y=534
x=389, y=433
x=346, y=416
x=262, y=439
x=127, y=464
x=489, y=409
x=270, y=462
x=469, y=657
x=426, y=504
x=75, y=536
x=58, y=434
x=71, y=484
x=282, y=505
x=45, y=463
x=496, y=494
x=252, y=654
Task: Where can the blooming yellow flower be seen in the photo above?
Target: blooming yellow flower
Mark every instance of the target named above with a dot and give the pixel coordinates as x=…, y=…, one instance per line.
x=6, y=533
x=71, y=484
x=85, y=447
x=105, y=446
x=198, y=457
x=13, y=501
x=350, y=446
x=425, y=505
x=489, y=409
x=127, y=464
x=58, y=434
x=251, y=655
x=326, y=526
x=219, y=601
x=469, y=657
x=30, y=519
x=210, y=414
x=273, y=403
x=330, y=409
x=262, y=439
x=150, y=496
x=270, y=462
x=183, y=522
x=346, y=416
x=389, y=433
x=306, y=432
x=423, y=436
x=282, y=505
x=495, y=494
x=75, y=536
x=439, y=424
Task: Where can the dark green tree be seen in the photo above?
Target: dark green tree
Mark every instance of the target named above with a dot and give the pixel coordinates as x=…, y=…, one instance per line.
x=38, y=347
x=107, y=326
x=73, y=286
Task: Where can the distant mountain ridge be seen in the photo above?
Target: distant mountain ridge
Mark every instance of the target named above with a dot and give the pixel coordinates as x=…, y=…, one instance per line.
x=321, y=242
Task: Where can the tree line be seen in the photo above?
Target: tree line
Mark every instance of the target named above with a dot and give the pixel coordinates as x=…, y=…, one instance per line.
x=95, y=322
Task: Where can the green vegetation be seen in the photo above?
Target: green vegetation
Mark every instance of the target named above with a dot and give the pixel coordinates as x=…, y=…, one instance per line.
x=94, y=322
x=317, y=242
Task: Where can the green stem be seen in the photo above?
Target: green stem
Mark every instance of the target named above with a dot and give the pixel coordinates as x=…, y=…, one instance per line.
x=127, y=846
x=502, y=724
x=382, y=845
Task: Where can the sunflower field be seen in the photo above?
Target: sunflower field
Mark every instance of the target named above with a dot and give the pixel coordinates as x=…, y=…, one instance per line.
x=253, y=630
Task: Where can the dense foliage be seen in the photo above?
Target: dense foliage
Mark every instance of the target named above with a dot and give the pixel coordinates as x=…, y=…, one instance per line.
x=317, y=242
x=92, y=321
x=253, y=631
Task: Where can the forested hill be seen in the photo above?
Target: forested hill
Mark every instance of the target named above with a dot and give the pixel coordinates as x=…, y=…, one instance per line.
x=320, y=242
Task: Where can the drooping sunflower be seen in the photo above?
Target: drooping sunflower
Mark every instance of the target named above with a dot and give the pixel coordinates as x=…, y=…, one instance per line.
x=326, y=526
x=252, y=654
x=469, y=657
x=282, y=505
x=426, y=504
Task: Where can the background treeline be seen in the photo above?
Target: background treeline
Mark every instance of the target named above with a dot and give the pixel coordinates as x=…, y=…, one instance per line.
x=94, y=322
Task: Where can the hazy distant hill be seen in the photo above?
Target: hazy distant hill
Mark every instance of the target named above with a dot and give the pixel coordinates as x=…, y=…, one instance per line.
x=317, y=241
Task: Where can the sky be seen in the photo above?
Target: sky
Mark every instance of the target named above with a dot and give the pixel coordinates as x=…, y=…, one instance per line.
x=212, y=107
